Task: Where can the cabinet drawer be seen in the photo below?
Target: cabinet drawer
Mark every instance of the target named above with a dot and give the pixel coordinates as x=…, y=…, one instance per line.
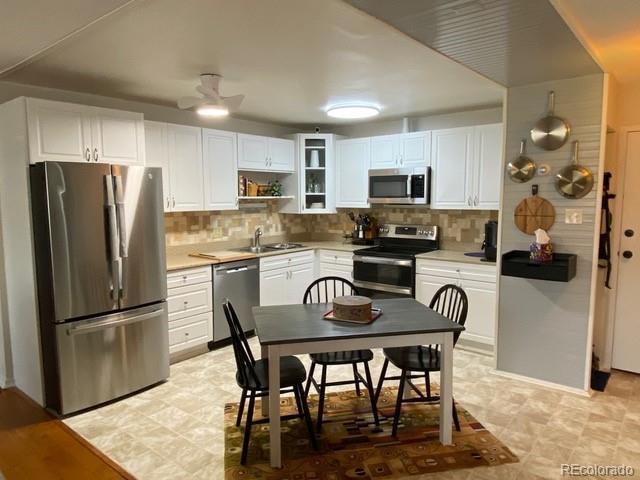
x=191, y=331
x=285, y=260
x=457, y=271
x=335, y=257
x=188, y=276
x=190, y=300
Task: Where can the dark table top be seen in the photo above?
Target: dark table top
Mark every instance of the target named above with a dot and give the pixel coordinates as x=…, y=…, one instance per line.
x=281, y=324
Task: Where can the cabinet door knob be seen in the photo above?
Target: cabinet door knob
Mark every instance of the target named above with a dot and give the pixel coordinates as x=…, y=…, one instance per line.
x=95, y=154
x=627, y=254
x=629, y=233
x=174, y=201
x=87, y=155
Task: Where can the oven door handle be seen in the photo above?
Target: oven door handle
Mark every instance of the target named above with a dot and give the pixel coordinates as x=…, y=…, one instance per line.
x=383, y=287
x=383, y=261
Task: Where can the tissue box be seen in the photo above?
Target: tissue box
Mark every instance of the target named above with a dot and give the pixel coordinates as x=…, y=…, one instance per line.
x=541, y=252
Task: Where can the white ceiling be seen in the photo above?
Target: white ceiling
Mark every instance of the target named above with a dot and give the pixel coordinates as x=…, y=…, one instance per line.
x=291, y=58
x=611, y=31
x=27, y=27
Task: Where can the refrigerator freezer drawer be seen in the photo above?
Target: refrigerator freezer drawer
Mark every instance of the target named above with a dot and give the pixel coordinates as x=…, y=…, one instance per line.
x=107, y=357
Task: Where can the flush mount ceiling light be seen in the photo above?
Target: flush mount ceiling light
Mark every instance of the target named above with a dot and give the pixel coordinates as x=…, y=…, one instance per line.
x=353, y=111
x=212, y=110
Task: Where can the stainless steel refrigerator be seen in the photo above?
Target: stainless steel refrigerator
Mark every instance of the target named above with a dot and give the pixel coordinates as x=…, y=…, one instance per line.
x=101, y=277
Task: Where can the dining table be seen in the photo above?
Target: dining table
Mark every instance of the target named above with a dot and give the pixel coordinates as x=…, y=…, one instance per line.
x=302, y=329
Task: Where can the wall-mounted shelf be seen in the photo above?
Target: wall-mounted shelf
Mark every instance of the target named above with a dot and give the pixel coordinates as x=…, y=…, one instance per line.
x=267, y=197
x=517, y=263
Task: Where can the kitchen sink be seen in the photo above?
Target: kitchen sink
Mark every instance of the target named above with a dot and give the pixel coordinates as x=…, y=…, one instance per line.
x=260, y=249
x=271, y=247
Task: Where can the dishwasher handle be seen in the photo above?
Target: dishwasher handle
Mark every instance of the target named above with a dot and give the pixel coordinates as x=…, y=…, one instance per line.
x=222, y=269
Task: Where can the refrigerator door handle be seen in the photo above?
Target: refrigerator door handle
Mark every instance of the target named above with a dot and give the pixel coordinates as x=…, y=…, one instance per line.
x=122, y=233
x=114, y=242
x=104, y=325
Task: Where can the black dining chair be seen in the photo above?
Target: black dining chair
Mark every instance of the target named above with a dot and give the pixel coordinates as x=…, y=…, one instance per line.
x=324, y=290
x=252, y=377
x=450, y=301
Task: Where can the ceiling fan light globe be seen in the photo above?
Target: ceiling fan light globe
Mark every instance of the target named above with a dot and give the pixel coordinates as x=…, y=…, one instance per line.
x=212, y=111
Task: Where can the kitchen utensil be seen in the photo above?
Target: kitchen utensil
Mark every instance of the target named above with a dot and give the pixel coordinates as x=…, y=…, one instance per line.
x=534, y=212
x=574, y=181
x=550, y=132
x=352, y=216
x=522, y=169
x=223, y=255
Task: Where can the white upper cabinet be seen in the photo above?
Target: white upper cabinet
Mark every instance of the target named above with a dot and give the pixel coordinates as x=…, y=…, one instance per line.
x=452, y=158
x=220, y=172
x=415, y=149
x=467, y=167
x=353, y=158
x=385, y=151
x=67, y=132
x=268, y=154
x=157, y=155
x=401, y=150
x=488, y=166
x=282, y=153
x=185, y=168
x=118, y=137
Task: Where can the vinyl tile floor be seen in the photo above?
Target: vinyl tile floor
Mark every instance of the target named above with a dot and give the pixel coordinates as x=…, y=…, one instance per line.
x=175, y=430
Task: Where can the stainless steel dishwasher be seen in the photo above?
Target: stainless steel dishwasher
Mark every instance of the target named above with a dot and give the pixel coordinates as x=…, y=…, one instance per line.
x=240, y=283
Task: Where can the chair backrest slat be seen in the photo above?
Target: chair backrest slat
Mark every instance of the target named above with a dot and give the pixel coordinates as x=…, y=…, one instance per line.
x=338, y=285
x=452, y=302
x=245, y=361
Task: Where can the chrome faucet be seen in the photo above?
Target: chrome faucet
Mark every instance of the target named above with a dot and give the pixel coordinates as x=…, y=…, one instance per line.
x=256, y=238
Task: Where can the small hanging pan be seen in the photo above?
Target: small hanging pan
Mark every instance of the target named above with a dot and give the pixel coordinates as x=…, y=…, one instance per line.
x=574, y=181
x=522, y=169
x=550, y=132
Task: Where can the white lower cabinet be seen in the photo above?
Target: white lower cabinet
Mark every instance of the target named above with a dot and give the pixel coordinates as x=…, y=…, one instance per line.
x=478, y=282
x=332, y=263
x=190, y=305
x=284, y=278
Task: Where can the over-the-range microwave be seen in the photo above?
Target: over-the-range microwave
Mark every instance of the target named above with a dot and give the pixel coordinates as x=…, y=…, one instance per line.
x=400, y=185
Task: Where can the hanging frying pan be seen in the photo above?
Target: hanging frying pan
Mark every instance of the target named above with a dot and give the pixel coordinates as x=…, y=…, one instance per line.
x=522, y=169
x=550, y=132
x=574, y=181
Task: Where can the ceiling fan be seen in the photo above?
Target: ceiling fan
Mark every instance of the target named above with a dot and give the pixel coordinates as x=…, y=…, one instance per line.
x=211, y=103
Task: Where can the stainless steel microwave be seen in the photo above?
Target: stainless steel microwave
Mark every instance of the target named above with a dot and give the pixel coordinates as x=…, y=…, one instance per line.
x=400, y=185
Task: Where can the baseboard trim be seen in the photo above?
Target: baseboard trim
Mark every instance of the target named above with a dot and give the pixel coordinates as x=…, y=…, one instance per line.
x=542, y=383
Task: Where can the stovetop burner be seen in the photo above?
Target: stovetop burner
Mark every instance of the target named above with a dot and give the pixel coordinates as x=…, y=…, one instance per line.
x=393, y=251
x=403, y=241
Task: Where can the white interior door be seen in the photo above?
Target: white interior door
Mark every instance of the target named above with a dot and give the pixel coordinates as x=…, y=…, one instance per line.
x=451, y=156
x=385, y=151
x=281, y=154
x=118, y=136
x=220, y=172
x=157, y=155
x=185, y=168
x=352, y=166
x=488, y=166
x=59, y=132
x=626, y=336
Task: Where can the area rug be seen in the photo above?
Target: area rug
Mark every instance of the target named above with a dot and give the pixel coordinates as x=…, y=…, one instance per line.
x=351, y=446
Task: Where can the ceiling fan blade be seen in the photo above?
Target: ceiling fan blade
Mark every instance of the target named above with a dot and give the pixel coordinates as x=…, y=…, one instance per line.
x=189, y=102
x=210, y=81
x=234, y=102
x=208, y=92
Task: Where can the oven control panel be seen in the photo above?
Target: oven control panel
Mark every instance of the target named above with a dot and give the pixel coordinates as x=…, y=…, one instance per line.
x=419, y=232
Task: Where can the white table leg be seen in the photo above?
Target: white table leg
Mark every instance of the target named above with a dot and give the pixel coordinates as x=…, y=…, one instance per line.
x=274, y=407
x=264, y=354
x=446, y=389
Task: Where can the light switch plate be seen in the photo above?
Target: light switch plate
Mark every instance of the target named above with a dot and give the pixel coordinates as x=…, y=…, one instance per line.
x=573, y=216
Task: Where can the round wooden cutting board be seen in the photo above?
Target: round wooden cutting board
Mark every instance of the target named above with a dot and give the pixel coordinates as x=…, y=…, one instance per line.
x=533, y=213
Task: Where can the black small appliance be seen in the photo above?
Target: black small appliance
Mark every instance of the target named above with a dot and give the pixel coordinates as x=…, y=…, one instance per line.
x=490, y=244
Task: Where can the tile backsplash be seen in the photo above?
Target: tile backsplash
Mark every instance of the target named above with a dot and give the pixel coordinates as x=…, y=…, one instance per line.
x=459, y=229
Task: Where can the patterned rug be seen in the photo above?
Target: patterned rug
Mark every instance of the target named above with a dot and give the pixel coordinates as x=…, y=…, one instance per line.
x=352, y=447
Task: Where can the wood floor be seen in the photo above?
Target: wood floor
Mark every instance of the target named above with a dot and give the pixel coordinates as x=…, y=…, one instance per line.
x=35, y=445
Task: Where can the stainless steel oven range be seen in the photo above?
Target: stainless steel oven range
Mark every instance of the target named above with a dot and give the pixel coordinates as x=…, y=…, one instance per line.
x=387, y=270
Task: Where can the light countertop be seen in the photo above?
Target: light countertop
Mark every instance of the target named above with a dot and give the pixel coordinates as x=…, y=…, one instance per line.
x=177, y=260
x=453, y=256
